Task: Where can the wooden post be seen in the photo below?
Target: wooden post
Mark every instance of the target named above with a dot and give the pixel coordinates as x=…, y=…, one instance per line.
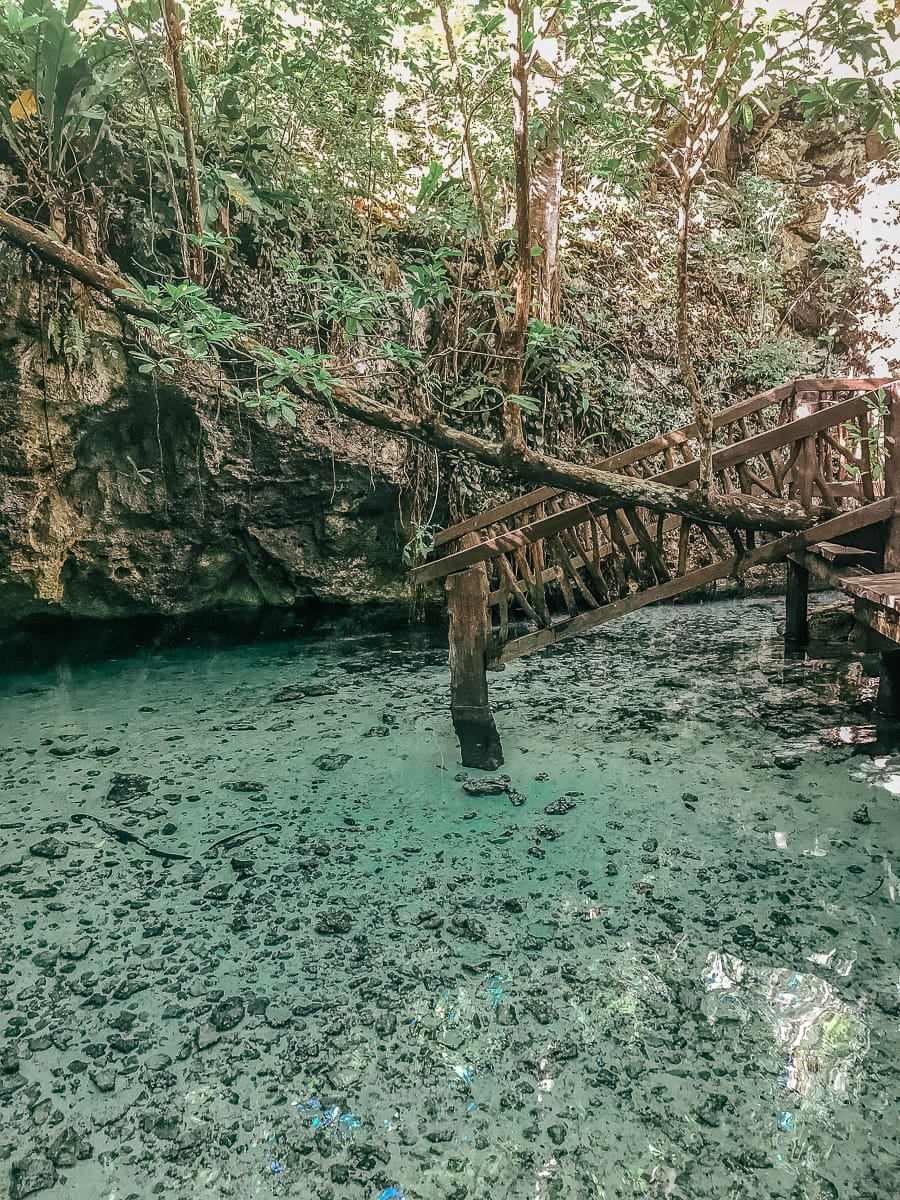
x=796, y=626
x=804, y=472
x=888, y=701
x=467, y=605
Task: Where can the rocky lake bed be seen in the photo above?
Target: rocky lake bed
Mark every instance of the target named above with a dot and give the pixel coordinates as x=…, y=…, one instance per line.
x=261, y=936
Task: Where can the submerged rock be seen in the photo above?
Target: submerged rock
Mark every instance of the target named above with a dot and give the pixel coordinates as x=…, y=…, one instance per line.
x=333, y=921
x=492, y=786
x=124, y=789
x=562, y=805
x=29, y=1176
x=331, y=762
x=301, y=691
x=50, y=847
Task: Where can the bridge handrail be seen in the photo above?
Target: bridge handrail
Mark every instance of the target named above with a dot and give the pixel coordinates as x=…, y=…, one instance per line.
x=658, y=445
x=729, y=456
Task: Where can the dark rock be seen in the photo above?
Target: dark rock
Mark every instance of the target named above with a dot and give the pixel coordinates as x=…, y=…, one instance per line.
x=300, y=691
x=331, y=762
x=547, y=833
x=464, y=926
x=68, y=1147
x=787, y=760
x=103, y=1080
x=562, y=805
x=333, y=921
x=861, y=816
x=486, y=787
x=227, y=1014
x=244, y=785
x=125, y=789
x=50, y=847
x=31, y=1175
x=218, y=892
x=557, y=1134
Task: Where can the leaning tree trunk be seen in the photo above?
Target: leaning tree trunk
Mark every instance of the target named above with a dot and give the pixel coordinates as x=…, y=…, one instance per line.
x=527, y=466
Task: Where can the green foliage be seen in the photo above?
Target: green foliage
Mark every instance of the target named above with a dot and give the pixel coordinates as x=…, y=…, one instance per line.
x=769, y=362
x=67, y=338
x=871, y=441
x=189, y=323
x=62, y=84
x=420, y=544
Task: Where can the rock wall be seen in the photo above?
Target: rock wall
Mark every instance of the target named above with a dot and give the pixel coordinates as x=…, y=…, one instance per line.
x=122, y=496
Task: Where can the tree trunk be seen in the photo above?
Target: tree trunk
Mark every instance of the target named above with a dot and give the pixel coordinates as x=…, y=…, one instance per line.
x=702, y=410
x=546, y=184
x=487, y=242
x=512, y=342
x=620, y=491
x=174, y=39
x=167, y=158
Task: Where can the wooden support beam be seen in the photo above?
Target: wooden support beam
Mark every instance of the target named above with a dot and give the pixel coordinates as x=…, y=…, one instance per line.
x=888, y=699
x=796, y=626
x=775, y=551
x=470, y=639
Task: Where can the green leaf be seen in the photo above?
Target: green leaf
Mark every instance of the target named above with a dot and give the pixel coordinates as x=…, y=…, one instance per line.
x=272, y=416
x=526, y=403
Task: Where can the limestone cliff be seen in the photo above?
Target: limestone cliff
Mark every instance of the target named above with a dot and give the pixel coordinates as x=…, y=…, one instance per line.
x=122, y=496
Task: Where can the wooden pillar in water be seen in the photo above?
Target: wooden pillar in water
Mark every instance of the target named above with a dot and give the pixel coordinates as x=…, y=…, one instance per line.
x=467, y=605
x=796, y=625
x=888, y=701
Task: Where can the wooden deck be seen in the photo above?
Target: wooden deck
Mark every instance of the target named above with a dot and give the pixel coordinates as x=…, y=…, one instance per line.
x=883, y=590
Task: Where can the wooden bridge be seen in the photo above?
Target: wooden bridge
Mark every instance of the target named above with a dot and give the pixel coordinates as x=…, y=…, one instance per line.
x=549, y=565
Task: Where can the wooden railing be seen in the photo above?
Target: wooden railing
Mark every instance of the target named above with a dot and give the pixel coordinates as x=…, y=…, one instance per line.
x=557, y=564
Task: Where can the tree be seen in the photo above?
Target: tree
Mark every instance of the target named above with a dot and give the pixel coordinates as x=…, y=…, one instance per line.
x=712, y=62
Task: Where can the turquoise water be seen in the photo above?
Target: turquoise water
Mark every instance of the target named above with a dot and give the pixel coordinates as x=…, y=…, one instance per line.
x=258, y=940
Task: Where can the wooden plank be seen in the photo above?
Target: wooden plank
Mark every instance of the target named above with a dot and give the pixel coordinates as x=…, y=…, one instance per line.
x=883, y=590
x=782, y=435
x=588, y=620
x=773, y=551
x=825, y=571
x=883, y=621
x=840, y=385
x=835, y=553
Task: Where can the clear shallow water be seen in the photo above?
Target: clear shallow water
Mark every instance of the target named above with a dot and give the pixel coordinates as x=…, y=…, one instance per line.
x=691, y=991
